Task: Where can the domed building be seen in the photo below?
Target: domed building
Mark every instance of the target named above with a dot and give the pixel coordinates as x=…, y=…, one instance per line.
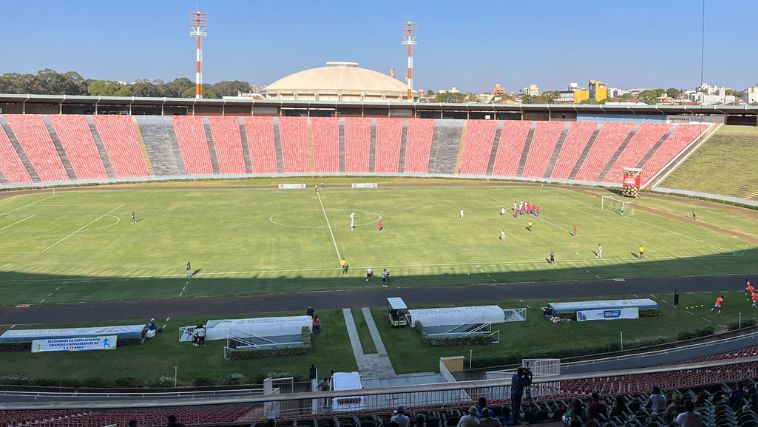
x=337, y=81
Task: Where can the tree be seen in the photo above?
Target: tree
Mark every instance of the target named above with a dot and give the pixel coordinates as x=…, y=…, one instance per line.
x=648, y=96
x=673, y=92
x=230, y=87
x=449, y=97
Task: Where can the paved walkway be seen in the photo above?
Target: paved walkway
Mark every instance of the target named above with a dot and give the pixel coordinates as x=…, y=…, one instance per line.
x=371, y=366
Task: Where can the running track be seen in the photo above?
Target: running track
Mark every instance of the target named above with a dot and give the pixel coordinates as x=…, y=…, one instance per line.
x=372, y=295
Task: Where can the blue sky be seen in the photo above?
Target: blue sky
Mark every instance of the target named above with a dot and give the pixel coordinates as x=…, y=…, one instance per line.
x=468, y=44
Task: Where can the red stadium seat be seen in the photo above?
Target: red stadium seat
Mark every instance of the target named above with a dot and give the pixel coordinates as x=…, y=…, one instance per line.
x=640, y=144
x=11, y=166
x=326, y=144
x=260, y=141
x=576, y=139
x=228, y=144
x=123, y=146
x=193, y=143
x=607, y=142
x=357, y=144
x=34, y=139
x=477, y=147
x=389, y=132
x=79, y=145
x=294, y=139
x=418, y=145
x=680, y=138
x=545, y=138
x=510, y=147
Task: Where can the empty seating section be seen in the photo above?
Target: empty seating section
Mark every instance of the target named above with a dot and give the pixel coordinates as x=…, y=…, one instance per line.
x=260, y=142
x=122, y=145
x=10, y=164
x=609, y=139
x=357, y=144
x=77, y=141
x=576, y=140
x=477, y=146
x=678, y=140
x=294, y=139
x=511, y=144
x=418, y=145
x=193, y=143
x=228, y=144
x=643, y=140
x=32, y=135
x=543, y=144
x=326, y=144
x=389, y=133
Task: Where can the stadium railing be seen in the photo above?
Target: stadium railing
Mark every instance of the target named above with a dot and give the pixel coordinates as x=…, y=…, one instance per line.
x=707, y=196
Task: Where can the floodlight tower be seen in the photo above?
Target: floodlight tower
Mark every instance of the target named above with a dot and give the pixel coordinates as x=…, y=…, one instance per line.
x=409, y=40
x=198, y=25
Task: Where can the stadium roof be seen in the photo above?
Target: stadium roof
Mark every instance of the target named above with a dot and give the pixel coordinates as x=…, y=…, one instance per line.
x=341, y=79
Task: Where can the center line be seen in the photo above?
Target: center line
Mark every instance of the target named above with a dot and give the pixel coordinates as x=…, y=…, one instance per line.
x=329, y=225
x=81, y=228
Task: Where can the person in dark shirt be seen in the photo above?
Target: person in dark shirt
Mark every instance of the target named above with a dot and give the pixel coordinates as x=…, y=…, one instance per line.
x=596, y=409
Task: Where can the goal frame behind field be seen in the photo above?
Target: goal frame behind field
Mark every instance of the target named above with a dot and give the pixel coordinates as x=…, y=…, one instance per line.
x=621, y=207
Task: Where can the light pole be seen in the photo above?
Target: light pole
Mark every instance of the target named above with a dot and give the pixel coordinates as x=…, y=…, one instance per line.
x=470, y=357
x=176, y=372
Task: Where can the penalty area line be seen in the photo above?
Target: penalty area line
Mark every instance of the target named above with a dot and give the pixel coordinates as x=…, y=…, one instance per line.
x=331, y=232
x=82, y=228
x=19, y=221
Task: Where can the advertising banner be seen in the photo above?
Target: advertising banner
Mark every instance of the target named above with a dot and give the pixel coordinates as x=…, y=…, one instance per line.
x=608, y=314
x=365, y=185
x=74, y=344
x=292, y=186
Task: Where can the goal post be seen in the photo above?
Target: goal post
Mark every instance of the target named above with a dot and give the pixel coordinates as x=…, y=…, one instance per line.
x=619, y=206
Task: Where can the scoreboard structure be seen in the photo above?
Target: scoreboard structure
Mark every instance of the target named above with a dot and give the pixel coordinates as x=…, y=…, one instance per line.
x=631, y=185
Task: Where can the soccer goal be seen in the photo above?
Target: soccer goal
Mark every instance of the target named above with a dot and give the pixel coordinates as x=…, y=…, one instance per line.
x=621, y=207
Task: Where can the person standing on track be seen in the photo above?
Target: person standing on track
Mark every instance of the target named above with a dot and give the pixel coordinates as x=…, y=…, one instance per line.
x=345, y=265
x=676, y=298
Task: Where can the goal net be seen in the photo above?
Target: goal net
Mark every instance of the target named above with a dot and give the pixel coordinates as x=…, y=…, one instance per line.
x=621, y=207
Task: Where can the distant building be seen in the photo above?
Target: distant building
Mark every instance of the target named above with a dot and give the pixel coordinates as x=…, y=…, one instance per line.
x=598, y=91
x=531, y=90
x=451, y=90
x=393, y=72
x=710, y=95
x=752, y=94
x=614, y=92
x=498, y=90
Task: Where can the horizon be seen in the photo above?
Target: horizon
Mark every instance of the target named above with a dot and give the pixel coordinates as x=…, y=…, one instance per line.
x=664, y=52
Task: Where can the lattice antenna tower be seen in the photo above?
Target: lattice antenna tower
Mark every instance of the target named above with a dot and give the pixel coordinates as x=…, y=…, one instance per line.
x=198, y=27
x=409, y=40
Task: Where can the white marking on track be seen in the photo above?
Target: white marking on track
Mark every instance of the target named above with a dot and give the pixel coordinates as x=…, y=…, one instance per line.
x=81, y=228
x=331, y=232
x=19, y=221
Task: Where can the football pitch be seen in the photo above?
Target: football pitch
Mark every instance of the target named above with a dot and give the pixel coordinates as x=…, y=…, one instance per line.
x=82, y=246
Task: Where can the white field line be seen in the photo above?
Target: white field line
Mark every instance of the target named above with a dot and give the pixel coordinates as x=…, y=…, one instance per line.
x=21, y=207
x=583, y=212
x=329, y=225
x=82, y=228
x=718, y=247
x=21, y=220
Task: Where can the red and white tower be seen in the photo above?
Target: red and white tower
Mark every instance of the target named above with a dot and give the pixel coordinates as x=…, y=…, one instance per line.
x=198, y=25
x=409, y=40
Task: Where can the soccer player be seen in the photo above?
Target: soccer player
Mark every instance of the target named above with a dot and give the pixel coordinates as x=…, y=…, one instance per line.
x=352, y=221
x=642, y=252
x=717, y=304
x=573, y=231
x=502, y=235
x=537, y=211
x=748, y=287
x=515, y=206
x=369, y=273
x=134, y=218
x=529, y=226
x=345, y=266
x=551, y=258
x=599, y=250
x=676, y=298
x=694, y=218
x=189, y=270
x=754, y=298
x=502, y=211
x=385, y=278
x=461, y=214
x=380, y=225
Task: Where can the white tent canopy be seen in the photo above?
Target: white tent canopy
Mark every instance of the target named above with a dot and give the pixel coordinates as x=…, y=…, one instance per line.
x=455, y=316
x=257, y=327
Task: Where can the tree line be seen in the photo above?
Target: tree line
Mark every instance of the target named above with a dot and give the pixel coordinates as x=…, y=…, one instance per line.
x=51, y=82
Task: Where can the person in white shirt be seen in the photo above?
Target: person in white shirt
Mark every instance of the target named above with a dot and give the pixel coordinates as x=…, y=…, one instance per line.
x=461, y=213
x=689, y=418
x=502, y=235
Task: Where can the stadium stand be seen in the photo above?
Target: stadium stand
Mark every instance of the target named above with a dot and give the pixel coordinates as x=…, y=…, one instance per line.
x=228, y=144
x=543, y=143
x=122, y=145
x=680, y=138
x=511, y=145
x=11, y=165
x=388, y=138
x=418, y=145
x=34, y=139
x=326, y=148
x=608, y=141
x=159, y=139
x=357, y=144
x=641, y=143
x=76, y=139
x=294, y=139
x=193, y=145
x=576, y=139
x=260, y=141
x=477, y=146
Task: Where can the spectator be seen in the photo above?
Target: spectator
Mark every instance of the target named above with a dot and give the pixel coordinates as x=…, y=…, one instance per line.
x=576, y=415
x=657, y=402
x=316, y=325
x=737, y=396
x=470, y=419
x=151, y=328
x=518, y=383
x=420, y=420
x=200, y=334
x=506, y=419
x=400, y=418
x=481, y=404
x=674, y=409
x=313, y=372
x=172, y=422
x=132, y=423
x=271, y=422
x=487, y=420
x=619, y=407
x=596, y=409
x=689, y=418
x=309, y=311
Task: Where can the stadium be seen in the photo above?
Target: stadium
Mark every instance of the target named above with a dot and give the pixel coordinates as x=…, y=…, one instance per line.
x=335, y=254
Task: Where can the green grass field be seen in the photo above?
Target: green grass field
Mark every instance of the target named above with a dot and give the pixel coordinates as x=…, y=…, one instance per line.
x=708, y=170
x=81, y=245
